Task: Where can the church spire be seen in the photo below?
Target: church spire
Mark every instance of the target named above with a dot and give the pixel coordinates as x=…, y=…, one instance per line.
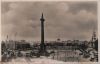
x=94, y=36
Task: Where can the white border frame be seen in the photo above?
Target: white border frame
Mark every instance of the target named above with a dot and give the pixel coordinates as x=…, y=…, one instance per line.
x=58, y=0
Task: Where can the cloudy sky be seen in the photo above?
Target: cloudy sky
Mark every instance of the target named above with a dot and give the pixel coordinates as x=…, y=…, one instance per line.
x=65, y=20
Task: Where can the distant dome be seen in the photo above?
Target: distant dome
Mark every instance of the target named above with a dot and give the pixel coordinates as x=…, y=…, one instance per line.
x=58, y=39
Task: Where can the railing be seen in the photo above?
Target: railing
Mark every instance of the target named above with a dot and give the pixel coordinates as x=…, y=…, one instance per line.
x=66, y=56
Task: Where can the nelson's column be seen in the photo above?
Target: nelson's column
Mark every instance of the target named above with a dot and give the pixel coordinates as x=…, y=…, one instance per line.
x=42, y=50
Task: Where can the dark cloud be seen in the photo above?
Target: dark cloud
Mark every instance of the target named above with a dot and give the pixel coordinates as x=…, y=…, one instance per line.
x=67, y=20
x=5, y=7
x=88, y=6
